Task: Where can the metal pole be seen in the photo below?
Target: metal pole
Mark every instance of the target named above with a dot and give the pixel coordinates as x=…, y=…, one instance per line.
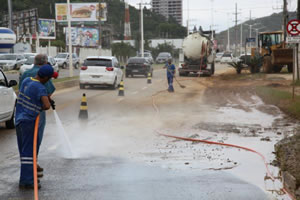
x=10, y=19
x=99, y=27
x=142, y=29
x=285, y=18
x=188, y=18
x=294, y=71
x=70, y=41
x=241, y=38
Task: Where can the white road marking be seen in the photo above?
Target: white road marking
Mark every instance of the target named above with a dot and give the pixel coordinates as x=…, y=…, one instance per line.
x=144, y=88
x=135, y=92
x=52, y=148
x=121, y=99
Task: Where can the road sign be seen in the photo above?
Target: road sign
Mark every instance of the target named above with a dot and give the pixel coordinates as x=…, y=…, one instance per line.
x=250, y=39
x=293, y=39
x=293, y=27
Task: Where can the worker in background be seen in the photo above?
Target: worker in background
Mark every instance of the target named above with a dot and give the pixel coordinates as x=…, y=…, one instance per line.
x=33, y=98
x=40, y=60
x=171, y=71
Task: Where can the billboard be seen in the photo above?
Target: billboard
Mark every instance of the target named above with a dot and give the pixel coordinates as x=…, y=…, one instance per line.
x=81, y=11
x=84, y=37
x=46, y=28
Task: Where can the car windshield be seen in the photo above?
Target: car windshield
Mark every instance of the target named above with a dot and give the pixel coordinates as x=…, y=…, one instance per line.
x=8, y=57
x=219, y=54
x=98, y=62
x=226, y=55
x=163, y=55
x=29, y=61
x=62, y=55
x=136, y=60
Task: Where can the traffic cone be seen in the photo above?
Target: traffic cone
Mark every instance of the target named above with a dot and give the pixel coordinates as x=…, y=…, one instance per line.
x=121, y=88
x=83, y=113
x=149, y=80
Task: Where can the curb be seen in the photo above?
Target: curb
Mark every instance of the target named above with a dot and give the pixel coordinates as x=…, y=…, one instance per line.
x=66, y=84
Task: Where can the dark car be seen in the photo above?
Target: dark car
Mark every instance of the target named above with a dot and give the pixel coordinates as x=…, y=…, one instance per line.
x=138, y=66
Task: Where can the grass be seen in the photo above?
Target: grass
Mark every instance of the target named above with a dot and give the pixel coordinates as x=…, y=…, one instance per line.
x=282, y=99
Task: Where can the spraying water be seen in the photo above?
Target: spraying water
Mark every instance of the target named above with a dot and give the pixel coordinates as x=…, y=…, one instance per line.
x=67, y=150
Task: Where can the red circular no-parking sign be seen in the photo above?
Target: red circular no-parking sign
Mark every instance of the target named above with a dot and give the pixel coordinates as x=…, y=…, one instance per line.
x=293, y=27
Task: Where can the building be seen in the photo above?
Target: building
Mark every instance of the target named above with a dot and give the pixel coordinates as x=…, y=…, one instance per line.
x=168, y=8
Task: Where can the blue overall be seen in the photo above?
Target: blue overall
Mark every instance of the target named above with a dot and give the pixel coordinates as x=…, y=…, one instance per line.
x=50, y=90
x=29, y=106
x=170, y=76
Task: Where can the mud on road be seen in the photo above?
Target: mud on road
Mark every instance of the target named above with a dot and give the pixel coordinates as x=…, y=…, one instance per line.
x=226, y=110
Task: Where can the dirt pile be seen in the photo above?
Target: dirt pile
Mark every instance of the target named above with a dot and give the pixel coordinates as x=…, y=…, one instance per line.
x=288, y=156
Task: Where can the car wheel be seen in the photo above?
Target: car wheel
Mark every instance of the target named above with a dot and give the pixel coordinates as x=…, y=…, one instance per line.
x=15, y=67
x=115, y=85
x=11, y=123
x=64, y=66
x=82, y=86
x=76, y=65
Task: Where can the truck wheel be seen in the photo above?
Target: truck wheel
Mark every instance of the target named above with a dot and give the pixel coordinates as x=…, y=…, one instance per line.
x=212, y=68
x=277, y=69
x=290, y=68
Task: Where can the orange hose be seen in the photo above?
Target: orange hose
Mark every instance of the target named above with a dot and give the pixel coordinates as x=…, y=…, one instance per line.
x=35, y=136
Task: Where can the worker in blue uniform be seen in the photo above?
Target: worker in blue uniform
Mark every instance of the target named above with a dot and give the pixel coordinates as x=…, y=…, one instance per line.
x=171, y=71
x=40, y=60
x=32, y=100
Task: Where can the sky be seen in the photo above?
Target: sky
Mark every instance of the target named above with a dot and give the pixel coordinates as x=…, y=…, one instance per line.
x=200, y=11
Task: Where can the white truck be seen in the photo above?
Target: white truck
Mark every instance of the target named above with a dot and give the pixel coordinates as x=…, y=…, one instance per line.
x=198, y=54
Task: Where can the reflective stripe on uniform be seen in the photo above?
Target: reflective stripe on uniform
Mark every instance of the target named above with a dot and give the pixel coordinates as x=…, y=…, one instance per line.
x=26, y=162
x=26, y=158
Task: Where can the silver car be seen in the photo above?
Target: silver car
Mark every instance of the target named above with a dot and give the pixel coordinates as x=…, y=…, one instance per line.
x=11, y=61
x=62, y=60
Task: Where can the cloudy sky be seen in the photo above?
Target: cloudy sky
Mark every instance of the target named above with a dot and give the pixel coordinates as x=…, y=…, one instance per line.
x=200, y=11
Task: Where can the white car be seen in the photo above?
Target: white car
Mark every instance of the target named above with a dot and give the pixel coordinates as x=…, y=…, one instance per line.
x=29, y=63
x=27, y=55
x=7, y=101
x=219, y=56
x=62, y=60
x=11, y=61
x=100, y=70
x=227, y=58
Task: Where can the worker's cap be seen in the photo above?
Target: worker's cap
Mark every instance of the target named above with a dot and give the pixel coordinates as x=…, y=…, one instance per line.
x=46, y=71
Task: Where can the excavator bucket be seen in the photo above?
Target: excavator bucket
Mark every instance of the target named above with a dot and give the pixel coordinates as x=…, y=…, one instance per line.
x=282, y=56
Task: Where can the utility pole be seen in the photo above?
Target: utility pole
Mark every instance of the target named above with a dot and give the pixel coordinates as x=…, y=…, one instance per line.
x=70, y=40
x=228, y=34
x=188, y=18
x=142, y=29
x=241, y=47
x=235, y=28
x=10, y=19
x=285, y=18
x=100, y=28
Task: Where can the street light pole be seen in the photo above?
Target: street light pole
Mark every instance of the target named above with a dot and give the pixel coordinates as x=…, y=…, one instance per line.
x=241, y=47
x=142, y=29
x=10, y=24
x=70, y=40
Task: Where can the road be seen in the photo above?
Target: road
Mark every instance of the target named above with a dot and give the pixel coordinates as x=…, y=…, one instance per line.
x=117, y=153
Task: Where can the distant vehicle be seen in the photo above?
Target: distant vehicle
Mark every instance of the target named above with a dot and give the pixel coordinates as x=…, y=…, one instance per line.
x=27, y=55
x=227, y=58
x=100, y=70
x=11, y=61
x=138, y=66
x=62, y=60
x=7, y=101
x=198, y=54
x=7, y=40
x=29, y=63
x=163, y=57
x=219, y=56
x=148, y=56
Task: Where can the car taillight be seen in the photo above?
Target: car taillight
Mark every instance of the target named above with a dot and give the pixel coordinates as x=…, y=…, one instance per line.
x=84, y=68
x=110, y=69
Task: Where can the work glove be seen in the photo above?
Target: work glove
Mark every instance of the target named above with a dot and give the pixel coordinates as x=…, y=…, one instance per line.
x=52, y=104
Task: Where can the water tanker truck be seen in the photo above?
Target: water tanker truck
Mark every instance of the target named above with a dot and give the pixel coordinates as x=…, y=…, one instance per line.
x=7, y=40
x=198, y=54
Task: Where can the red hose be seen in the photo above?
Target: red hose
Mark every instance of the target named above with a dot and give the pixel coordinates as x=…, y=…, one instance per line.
x=230, y=145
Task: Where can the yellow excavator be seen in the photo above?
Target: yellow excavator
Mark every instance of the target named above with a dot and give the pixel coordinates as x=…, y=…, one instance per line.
x=273, y=52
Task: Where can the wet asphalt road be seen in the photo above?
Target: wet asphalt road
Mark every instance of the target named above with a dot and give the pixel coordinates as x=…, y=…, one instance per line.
x=108, y=148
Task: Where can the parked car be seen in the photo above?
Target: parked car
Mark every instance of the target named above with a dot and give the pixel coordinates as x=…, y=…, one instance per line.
x=219, y=56
x=227, y=58
x=7, y=101
x=100, y=70
x=163, y=57
x=29, y=63
x=11, y=61
x=62, y=60
x=27, y=55
x=148, y=56
x=138, y=66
